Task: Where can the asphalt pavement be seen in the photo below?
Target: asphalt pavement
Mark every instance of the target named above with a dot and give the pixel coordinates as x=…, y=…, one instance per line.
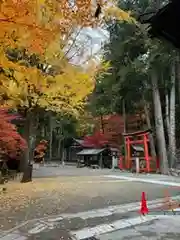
x=82, y=204
x=109, y=223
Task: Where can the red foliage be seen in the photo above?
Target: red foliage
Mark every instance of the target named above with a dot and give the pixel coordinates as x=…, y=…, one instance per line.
x=40, y=150
x=11, y=142
x=113, y=126
x=98, y=140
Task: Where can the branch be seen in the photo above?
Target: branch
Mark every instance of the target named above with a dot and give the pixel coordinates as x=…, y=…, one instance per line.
x=90, y=57
x=74, y=54
x=74, y=40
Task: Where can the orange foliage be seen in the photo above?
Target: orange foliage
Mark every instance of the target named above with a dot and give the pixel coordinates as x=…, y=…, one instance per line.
x=40, y=150
x=35, y=23
x=21, y=24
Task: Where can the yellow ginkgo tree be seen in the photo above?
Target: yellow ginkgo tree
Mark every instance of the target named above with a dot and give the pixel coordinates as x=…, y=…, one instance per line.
x=43, y=28
x=28, y=89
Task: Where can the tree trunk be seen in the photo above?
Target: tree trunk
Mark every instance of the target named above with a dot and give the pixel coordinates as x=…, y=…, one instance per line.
x=167, y=112
x=43, y=131
x=172, y=126
x=178, y=75
x=102, y=123
x=167, y=119
x=63, y=156
x=50, y=136
x=124, y=115
x=59, y=148
x=26, y=161
x=159, y=124
x=151, y=139
x=60, y=142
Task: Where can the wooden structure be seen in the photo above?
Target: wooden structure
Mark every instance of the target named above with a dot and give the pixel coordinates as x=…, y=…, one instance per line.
x=137, y=146
x=76, y=146
x=101, y=157
x=164, y=23
x=91, y=157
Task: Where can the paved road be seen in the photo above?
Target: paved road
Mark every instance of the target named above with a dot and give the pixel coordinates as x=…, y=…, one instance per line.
x=67, y=170
x=115, y=222
x=70, y=207
x=121, y=222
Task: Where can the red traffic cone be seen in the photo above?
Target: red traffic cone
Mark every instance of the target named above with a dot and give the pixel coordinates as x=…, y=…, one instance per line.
x=144, y=209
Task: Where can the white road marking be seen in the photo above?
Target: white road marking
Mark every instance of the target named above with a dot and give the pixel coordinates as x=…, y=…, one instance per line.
x=102, y=229
x=106, y=181
x=21, y=238
x=50, y=225
x=40, y=227
x=55, y=219
x=108, y=211
x=44, y=223
x=175, y=184
x=106, y=228
x=13, y=236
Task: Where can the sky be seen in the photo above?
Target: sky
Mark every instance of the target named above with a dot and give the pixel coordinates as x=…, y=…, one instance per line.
x=96, y=38
x=89, y=41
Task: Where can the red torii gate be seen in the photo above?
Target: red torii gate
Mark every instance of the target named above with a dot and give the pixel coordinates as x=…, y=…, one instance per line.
x=138, y=138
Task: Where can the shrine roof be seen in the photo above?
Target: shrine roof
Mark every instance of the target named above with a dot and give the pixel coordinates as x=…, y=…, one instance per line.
x=90, y=151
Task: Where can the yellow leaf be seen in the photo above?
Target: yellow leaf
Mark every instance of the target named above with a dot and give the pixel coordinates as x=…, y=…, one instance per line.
x=18, y=75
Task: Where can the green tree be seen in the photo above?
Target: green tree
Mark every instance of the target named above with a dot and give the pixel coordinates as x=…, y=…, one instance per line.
x=141, y=73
